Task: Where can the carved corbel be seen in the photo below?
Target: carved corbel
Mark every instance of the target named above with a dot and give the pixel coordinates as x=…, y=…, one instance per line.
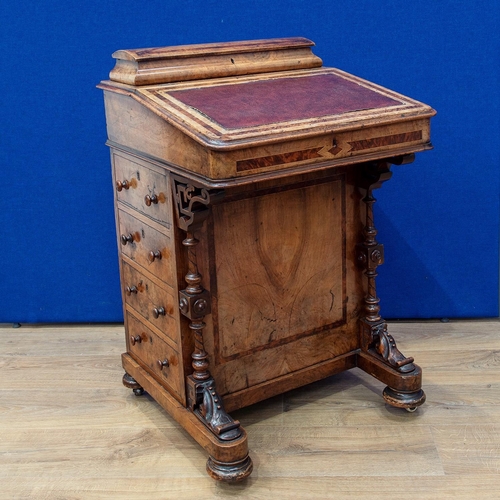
x=192, y=202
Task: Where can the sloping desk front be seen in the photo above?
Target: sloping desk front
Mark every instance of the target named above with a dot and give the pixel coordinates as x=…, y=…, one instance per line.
x=244, y=174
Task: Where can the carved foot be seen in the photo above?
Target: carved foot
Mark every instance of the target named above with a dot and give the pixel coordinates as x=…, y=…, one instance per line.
x=378, y=341
x=131, y=383
x=229, y=471
x=387, y=348
x=207, y=406
x=408, y=400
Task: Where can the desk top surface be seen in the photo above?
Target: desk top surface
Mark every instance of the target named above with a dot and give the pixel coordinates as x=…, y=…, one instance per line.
x=234, y=112
x=243, y=94
x=252, y=104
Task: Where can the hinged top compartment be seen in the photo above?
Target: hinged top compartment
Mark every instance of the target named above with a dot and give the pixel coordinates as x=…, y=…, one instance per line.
x=211, y=60
x=237, y=110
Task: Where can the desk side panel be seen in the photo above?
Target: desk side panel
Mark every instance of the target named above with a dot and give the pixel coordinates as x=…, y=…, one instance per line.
x=138, y=129
x=285, y=288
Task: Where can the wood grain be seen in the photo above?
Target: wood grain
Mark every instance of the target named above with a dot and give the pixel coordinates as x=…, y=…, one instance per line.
x=147, y=237
x=193, y=62
x=70, y=430
x=277, y=310
x=152, y=350
x=269, y=290
x=141, y=180
x=149, y=295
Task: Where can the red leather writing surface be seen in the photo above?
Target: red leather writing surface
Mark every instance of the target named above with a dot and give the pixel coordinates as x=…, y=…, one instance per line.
x=280, y=100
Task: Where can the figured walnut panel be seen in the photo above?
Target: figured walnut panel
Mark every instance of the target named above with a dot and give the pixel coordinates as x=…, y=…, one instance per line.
x=271, y=286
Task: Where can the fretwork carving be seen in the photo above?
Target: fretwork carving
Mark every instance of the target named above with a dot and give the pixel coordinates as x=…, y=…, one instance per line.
x=192, y=202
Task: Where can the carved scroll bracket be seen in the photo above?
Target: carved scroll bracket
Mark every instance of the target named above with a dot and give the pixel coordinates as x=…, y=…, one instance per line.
x=379, y=342
x=192, y=202
x=207, y=405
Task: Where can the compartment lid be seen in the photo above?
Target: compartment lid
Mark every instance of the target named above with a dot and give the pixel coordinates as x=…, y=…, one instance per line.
x=211, y=60
x=239, y=94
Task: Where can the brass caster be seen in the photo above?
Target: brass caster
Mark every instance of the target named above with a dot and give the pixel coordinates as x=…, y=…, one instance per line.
x=413, y=409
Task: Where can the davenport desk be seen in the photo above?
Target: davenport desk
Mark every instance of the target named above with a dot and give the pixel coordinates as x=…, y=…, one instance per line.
x=243, y=178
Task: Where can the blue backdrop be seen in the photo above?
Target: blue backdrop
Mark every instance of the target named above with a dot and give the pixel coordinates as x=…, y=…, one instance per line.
x=438, y=217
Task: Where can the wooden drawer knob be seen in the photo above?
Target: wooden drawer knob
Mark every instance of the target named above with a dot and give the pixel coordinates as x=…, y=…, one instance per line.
x=151, y=200
x=154, y=255
x=129, y=290
x=162, y=364
x=127, y=238
x=137, y=339
x=122, y=185
x=159, y=311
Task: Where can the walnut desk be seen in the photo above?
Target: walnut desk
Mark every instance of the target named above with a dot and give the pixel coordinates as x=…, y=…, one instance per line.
x=243, y=179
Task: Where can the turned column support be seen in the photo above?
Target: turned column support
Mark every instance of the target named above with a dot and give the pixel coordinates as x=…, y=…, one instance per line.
x=192, y=204
x=375, y=341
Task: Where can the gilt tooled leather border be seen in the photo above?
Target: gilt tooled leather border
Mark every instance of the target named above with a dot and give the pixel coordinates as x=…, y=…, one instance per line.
x=280, y=100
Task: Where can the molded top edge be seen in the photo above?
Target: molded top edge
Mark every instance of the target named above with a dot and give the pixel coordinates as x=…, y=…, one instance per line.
x=185, y=51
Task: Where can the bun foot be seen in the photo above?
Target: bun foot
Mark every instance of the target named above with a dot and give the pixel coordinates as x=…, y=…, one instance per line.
x=408, y=400
x=131, y=383
x=229, y=471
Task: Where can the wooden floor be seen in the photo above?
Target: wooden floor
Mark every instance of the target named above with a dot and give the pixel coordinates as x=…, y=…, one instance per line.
x=70, y=430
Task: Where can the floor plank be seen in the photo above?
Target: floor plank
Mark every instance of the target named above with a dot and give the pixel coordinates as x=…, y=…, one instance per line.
x=70, y=430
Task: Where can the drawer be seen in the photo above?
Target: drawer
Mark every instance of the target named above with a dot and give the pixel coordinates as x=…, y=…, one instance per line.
x=153, y=302
x=144, y=189
x=161, y=359
x=146, y=245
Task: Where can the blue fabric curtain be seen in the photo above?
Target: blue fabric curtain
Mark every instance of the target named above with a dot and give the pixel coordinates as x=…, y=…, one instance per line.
x=438, y=217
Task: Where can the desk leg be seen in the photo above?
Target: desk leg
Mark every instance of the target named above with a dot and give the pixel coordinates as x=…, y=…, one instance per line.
x=194, y=303
x=379, y=354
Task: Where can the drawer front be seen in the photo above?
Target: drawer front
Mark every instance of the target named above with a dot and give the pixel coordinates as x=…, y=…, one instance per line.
x=154, y=303
x=144, y=189
x=146, y=246
x=157, y=355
